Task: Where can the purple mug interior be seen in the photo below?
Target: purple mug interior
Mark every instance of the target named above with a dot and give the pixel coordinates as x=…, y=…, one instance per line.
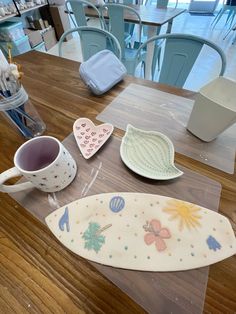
x=37, y=153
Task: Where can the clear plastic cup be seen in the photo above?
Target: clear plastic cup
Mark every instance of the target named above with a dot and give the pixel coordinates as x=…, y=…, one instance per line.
x=20, y=112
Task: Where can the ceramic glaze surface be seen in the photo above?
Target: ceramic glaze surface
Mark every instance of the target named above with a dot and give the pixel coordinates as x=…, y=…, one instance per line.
x=149, y=154
x=143, y=232
x=90, y=137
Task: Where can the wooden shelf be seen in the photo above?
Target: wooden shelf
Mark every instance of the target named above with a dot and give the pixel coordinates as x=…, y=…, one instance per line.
x=7, y=17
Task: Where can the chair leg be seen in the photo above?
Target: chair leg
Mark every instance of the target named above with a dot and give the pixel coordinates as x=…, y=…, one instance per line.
x=156, y=60
x=218, y=17
x=230, y=29
x=234, y=40
x=231, y=18
x=144, y=68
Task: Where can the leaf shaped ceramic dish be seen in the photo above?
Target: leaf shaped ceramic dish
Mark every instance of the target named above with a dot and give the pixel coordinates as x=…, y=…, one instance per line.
x=143, y=232
x=149, y=154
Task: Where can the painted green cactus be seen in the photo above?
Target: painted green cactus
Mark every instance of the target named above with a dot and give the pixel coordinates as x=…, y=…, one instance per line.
x=93, y=237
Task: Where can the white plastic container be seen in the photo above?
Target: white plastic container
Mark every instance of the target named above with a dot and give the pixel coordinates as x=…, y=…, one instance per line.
x=214, y=109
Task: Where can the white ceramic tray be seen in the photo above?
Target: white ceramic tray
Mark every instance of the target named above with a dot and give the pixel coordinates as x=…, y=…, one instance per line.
x=143, y=232
x=149, y=154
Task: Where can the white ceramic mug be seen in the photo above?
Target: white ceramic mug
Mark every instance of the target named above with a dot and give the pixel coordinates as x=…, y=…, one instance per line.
x=45, y=162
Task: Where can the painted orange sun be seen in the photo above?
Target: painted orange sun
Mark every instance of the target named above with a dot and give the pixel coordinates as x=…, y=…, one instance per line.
x=186, y=213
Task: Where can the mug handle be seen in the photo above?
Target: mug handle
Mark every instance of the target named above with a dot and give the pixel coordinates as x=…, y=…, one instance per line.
x=11, y=173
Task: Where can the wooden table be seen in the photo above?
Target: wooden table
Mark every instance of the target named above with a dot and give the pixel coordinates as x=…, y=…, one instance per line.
x=152, y=17
x=36, y=273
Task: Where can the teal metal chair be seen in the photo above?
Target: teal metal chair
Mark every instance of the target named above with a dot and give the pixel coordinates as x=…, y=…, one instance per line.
x=179, y=56
x=228, y=7
x=116, y=25
x=75, y=9
x=129, y=27
x=92, y=41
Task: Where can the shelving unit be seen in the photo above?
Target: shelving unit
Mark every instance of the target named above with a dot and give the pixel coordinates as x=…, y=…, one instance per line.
x=7, y=17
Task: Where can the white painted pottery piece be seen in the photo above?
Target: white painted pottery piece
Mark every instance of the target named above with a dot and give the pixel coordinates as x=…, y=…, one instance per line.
x=149, y=154
x=214, y=109
x=89, y=137
x=143, y=232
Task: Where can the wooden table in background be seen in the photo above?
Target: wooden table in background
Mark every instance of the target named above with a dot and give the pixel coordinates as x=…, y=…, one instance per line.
x=37, y=274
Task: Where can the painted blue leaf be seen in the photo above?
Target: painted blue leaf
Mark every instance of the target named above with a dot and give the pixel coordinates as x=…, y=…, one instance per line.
x=213, y=244
x=117, y=203
x=64, y=220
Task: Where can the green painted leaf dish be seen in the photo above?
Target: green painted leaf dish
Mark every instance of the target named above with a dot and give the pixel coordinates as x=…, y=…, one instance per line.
x=149, y=154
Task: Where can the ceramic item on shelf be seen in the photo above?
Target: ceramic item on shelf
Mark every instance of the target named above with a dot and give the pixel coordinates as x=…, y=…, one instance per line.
x=149, y=154
x=2, y=11
x=143, y=232
x=214, y=109
x=44, y=162
x=90, y=137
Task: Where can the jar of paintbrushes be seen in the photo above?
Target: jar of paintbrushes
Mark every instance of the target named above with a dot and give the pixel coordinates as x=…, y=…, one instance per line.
x=21, y=114
x=15, y=104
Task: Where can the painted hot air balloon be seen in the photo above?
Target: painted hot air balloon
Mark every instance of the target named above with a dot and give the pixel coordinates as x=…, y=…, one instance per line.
x=117, y=203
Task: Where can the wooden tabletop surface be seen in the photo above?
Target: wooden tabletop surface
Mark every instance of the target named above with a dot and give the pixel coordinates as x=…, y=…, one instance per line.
x=37, y=274
x=150, y=15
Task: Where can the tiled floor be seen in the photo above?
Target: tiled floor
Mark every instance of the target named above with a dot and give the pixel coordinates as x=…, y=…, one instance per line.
x=208, y=65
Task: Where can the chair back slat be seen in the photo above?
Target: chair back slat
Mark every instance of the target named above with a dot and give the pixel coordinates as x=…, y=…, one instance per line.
x=76, y=11
x=179, y=58
x=92, y=40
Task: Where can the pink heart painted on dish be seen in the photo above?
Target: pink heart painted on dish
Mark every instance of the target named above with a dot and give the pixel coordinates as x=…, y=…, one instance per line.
x=88, y=147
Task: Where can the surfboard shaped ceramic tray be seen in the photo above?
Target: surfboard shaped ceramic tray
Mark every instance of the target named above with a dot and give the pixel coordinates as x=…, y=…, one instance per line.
x=143, y=232
x=89, y=137
x=149, y=154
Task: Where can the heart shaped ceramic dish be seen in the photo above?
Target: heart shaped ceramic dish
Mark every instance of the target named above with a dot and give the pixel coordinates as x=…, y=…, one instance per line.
x=90, y=137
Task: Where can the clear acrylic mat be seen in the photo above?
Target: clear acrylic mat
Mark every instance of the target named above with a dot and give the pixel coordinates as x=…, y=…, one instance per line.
x=150, y=109
x=176, y=292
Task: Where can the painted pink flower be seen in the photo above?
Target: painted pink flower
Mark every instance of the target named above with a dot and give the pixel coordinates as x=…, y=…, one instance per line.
x=156, y=234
